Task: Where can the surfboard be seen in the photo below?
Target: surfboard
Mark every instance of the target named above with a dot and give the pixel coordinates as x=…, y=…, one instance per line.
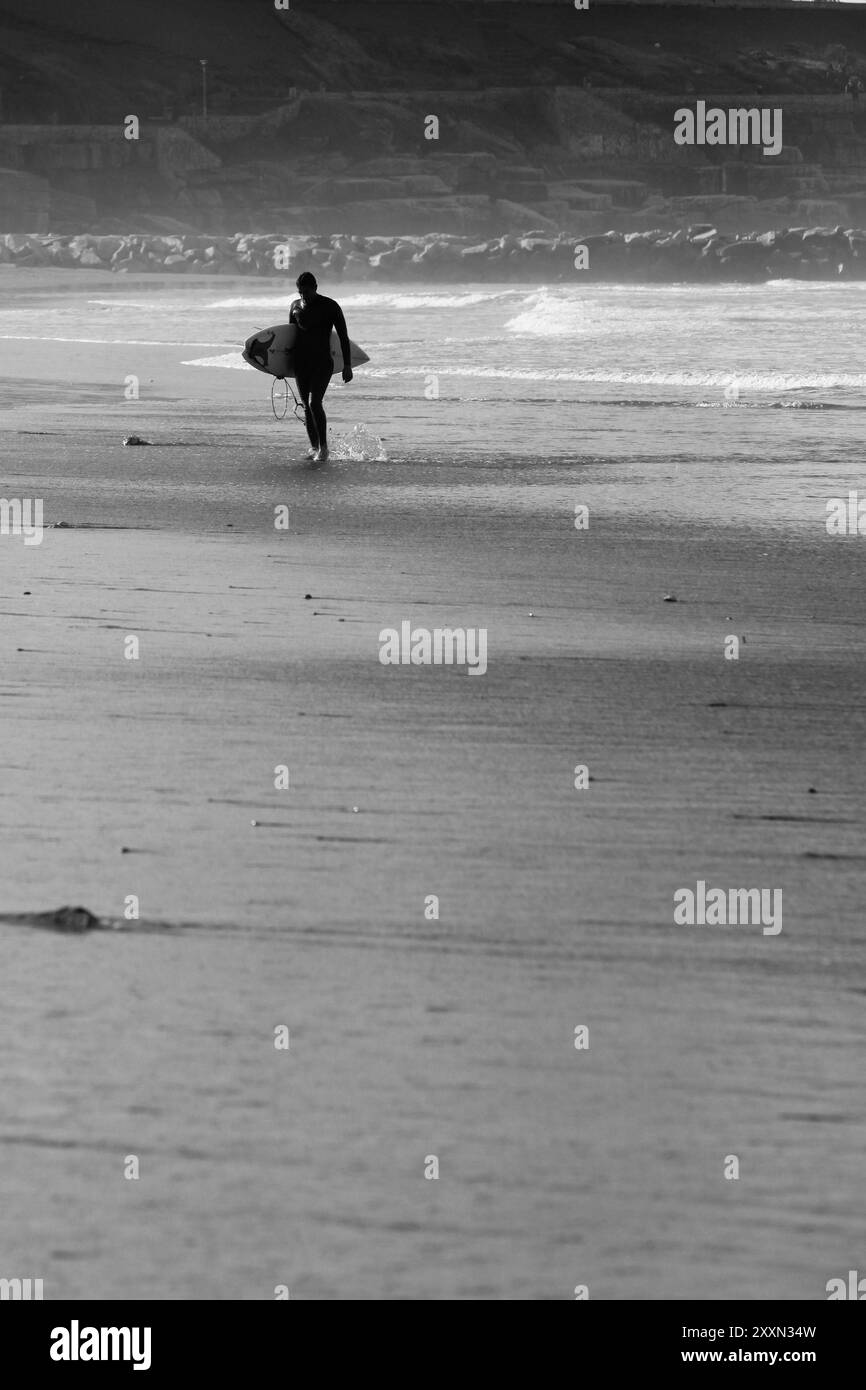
x=270, y=350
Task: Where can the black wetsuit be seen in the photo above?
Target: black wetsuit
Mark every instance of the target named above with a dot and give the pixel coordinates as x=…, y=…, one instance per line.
x=314, y=365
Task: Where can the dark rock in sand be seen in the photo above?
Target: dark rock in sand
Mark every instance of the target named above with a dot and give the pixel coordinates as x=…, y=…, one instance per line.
x=64, y=919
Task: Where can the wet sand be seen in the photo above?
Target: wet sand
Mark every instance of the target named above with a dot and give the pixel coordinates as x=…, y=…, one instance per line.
x=412, y=1037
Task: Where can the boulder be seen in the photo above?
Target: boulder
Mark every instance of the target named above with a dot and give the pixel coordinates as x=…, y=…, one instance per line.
x=58, y=253
x=383, y=261
x=705, y=237
x=476, y=256
x=823, y=241
x=26, y=250
x=106, y=246
x=677, y=238
x=532, y=244
x=435, y=252
x=405, y=250
x=357, y=267
x=745, y=258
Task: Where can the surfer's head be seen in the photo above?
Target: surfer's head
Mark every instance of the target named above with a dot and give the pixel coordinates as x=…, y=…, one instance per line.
x=307, y=284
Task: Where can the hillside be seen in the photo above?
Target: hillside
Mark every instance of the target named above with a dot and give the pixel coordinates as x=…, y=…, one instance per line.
x=549, y=117
x=96, y=62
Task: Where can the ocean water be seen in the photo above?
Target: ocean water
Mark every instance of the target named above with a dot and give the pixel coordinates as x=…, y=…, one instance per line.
x=735, y=410
x=726, y=403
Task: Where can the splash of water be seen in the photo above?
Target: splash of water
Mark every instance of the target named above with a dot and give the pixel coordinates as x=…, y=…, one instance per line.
x=360, y=445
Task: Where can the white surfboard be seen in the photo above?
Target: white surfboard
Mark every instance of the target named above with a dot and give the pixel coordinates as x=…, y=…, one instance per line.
x=270, y=350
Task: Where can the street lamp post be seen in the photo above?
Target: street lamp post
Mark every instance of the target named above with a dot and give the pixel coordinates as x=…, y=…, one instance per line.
x=203, y=62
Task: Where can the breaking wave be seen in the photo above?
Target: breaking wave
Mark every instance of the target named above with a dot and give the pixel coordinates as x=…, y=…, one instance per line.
x=447, y=299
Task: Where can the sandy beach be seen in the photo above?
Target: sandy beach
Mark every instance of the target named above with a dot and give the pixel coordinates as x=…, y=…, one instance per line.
x=413, y=1037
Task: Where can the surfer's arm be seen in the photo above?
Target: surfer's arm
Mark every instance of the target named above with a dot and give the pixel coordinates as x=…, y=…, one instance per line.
x=343, y=335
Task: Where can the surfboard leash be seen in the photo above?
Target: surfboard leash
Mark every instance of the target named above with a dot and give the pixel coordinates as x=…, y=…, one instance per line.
x=297, y=408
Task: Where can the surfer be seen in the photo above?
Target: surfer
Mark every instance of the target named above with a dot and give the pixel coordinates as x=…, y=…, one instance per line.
x=315, y=316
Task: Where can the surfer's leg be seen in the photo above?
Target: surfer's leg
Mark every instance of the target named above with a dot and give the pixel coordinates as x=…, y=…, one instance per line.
x=319, y=386
x=304, y=383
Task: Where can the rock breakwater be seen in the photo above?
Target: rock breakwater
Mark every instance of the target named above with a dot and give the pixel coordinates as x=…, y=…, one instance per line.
x=688, y=255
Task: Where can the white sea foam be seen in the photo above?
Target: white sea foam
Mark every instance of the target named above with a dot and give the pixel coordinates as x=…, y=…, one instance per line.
x=447, y=299
x=360, y=445
x=550, y=316
x=153, y=303
x=110, y=342
x=811, y=286
x=452, y=298
x=227, y=359
x=746, y=381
